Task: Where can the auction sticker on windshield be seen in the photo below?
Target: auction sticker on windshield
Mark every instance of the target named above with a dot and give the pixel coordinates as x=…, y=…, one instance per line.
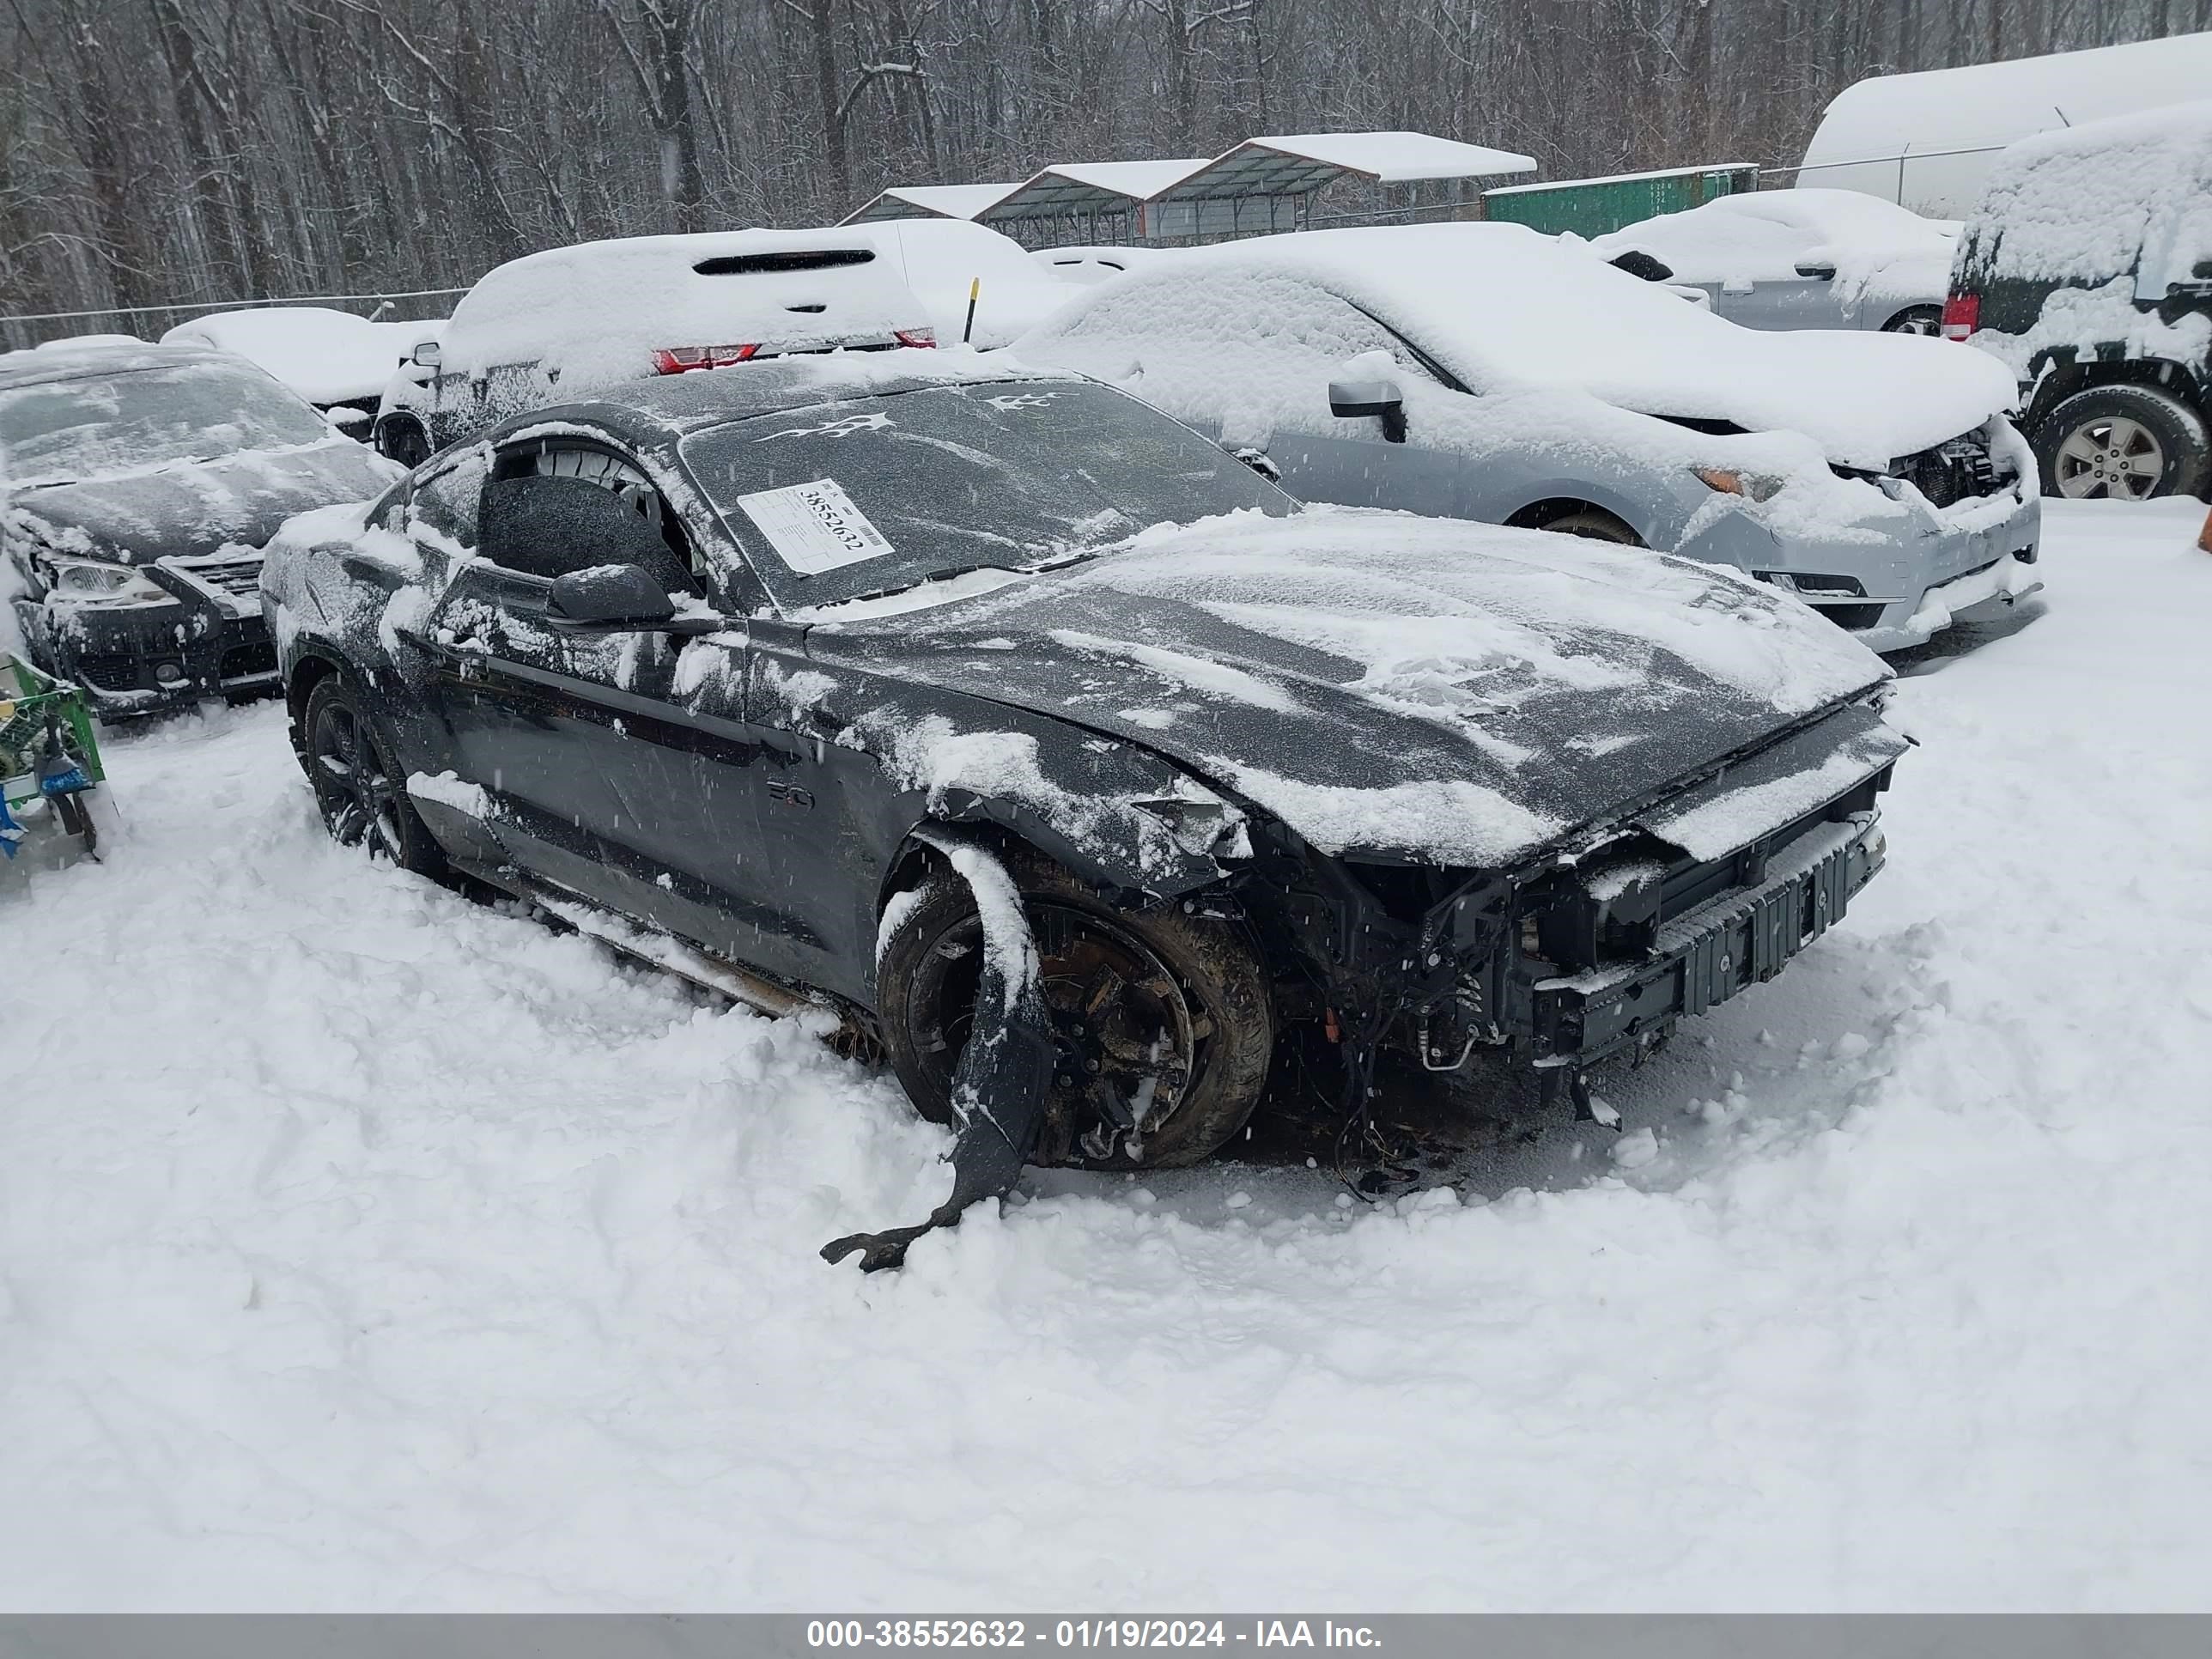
x=815, y=526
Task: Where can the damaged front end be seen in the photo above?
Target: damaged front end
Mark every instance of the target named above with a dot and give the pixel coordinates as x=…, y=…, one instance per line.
x=146, y=638
x=1603, y=947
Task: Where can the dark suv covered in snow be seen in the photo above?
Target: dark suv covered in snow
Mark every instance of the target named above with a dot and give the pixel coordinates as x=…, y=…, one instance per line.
x=2088, y=269
x=137, y=485
x=727, y=668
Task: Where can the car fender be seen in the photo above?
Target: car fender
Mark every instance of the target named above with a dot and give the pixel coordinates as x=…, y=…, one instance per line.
x=943, y=757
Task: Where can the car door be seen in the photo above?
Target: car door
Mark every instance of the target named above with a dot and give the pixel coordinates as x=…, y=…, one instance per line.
x=537, y=715
x=1296, y=338
x=620, y=764
x=1770, y=278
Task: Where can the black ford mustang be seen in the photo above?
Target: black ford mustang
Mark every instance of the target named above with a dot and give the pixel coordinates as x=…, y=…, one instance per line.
x=721, y=667
x=140, y=482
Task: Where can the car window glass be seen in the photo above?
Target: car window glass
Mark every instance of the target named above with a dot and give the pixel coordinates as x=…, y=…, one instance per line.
x=878, y=494
x=442, y=507
x=1236, y=312
x=100, y=424
x=548, y=516
x=1243, y=353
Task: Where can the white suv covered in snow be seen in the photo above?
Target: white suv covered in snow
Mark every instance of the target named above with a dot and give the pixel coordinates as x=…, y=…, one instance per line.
x=552, y=327
x=1482, y=371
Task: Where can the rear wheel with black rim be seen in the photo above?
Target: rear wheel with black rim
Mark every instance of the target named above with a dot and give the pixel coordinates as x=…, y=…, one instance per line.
x=361, y=793
x=1163, y=1025
x=2123, y=443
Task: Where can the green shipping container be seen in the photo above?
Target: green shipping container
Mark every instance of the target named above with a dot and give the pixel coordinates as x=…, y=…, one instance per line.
x=1592, y=207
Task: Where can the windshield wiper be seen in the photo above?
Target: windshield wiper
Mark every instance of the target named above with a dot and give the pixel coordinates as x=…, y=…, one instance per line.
x=945, y=576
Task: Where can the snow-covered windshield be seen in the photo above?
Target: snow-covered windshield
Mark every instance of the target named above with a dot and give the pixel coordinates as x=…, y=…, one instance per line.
x=876, y=494
x=60, y=430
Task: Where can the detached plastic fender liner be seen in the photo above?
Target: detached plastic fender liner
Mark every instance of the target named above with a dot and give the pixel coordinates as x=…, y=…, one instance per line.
x=999, y=1089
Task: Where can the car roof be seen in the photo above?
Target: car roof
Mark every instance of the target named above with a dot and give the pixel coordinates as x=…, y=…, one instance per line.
x=677, y=403
x=65, y=359
x=1492, y=303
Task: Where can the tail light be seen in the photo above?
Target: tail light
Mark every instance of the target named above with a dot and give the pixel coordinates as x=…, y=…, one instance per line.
x=915, y=336
x=1962, y=315
x=682, y=359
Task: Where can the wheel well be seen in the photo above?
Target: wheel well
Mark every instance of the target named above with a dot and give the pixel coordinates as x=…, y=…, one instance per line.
x=310, y=671
x=911, y=864
x=1538, y=514
x=2176, y=380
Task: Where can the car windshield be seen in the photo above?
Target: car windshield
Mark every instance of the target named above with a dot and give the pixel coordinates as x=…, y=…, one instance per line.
x=63, y=430
x=880, y=493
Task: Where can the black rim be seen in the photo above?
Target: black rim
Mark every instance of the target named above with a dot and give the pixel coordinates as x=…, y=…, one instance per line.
x=1129, y=1038
x=359, y=798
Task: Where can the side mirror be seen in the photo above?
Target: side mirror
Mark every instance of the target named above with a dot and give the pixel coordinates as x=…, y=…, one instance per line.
x=620, y=599
x=1351, y=399
x=1260, y=462
x=1636, y=263
x=427, y=355
x=1820, y=271
x=608, y=596
x=347, y=418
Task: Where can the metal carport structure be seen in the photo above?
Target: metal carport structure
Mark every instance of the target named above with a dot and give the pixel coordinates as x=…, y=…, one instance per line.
x=927, y=201
x=1083, y=202
x=1267, y=184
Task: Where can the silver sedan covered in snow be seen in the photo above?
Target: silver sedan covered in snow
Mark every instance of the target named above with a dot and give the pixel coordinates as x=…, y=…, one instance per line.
x=1799, y=258
x=1485, y=372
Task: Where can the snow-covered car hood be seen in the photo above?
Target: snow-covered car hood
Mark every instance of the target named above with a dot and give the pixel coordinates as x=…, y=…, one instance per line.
x=1866, y=399
x=199, y=507
x=1392, y=685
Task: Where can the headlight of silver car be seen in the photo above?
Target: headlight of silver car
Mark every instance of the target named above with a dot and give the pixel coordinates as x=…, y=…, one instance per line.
x=93, y=581
x=1758, y=486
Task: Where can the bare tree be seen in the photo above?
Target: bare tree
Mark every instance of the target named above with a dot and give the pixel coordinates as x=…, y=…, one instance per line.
x=171, y=150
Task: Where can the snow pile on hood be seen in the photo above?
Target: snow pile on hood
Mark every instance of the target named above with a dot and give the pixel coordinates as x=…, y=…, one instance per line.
x=1501, y=308
x=1878, y=248
x=596, y=312
x=327, y=357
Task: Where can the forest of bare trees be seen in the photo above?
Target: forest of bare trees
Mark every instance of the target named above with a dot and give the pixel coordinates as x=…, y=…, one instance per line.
x=160, y=151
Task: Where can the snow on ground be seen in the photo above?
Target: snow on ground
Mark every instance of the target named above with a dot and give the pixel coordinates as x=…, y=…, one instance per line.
x=362, y=1249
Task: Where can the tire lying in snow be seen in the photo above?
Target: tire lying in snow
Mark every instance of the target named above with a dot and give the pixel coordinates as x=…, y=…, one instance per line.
x=2122, y=443
x=1163, y=1021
